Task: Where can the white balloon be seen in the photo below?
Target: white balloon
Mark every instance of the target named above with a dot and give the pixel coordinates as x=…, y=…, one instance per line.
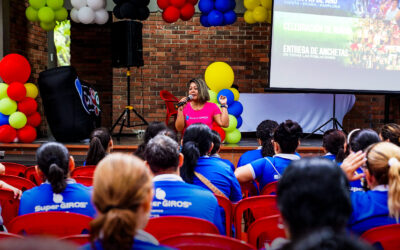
x=101, y=16
x=86, y=15
x=74, y=15
x=77, y=4
x=95, y=4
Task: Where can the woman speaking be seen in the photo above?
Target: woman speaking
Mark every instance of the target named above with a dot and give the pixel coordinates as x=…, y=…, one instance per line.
x=199, y=110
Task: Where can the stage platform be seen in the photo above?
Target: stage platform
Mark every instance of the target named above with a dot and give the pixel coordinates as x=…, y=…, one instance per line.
x=24, y=153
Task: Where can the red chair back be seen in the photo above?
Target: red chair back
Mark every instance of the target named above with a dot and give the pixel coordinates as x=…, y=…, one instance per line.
x=170, y=101
x=260, y=206
x=388, y=236
x=80, y=239
x=17, y=182
x=5, y=235
x=32, y=175
x=226, y=204
x=86, y=171
x=270, y=188
x=200, y=241
x=87, y=181
x=9, y=206
x=265, y=230
x=14, y=169
x=50, y=223
x=164, y=226
x=248, y=189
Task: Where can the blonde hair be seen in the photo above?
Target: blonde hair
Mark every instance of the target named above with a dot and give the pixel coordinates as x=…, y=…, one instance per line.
x=122, y=183
x=378, y=156
x=202, y=88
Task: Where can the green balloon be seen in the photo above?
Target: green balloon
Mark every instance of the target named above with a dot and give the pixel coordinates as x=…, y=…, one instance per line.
x=46, y=15
x=3, y=90
x=31, y=14
x=213, y=96
x=48, y=26
x=17, y=120
x=7, y=106
x=37, y=4
x=55, y=4
x=232, y=124
x=61, y=14
x=233, y=137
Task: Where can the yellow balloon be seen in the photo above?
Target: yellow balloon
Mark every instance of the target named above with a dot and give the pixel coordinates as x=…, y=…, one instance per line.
x=269, y=17
x=251, y=4
x=248, y=17
x=31, y=90
x=267, y=4
x=219, y=75
x=260, y=14
x=235, y=93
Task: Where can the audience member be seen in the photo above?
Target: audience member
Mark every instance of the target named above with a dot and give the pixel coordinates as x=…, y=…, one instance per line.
x=101, y=144
x=151, y=131
x=216, y=139
x=270, y=169
x=334, y=144
x=59, y=192
x=163, y=157
x=390, y=132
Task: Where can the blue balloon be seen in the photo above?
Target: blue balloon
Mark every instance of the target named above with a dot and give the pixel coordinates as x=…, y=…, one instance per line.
x=229, y=17
x=232, y=5
x=215, y=18
x=240, y=121
x=206, y=6
x=3, y=119
x=235, y=109
x=222, y=5
x=229, y=95
x=204, y=20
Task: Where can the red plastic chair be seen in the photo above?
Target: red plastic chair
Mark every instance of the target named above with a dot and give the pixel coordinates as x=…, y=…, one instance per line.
x=164, y=226
x=265, y=230
x=17, y=182
x=14, y=169
x=202, y=241
x=5, y=235
x=80, y=239
x=388, y=236
x=270, y=188
x=87, y=181
x=170, y=101
x=86, y=171
x=32, y=175
x=260, y=206
x=227, y=205
x=50, y=223
x=9, y=206
x=248, y=189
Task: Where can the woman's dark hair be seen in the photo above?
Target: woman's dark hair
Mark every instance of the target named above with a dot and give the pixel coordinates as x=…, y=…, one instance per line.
x=196, y=142
x=216, y=139
x=391, y=132
x=265, y=132
x=53, y=161
x=313, y=193
x=362, y=139
x=170, y=133
x=151, y=131
x=334, y=141
x=287, y=135
x=99, y=141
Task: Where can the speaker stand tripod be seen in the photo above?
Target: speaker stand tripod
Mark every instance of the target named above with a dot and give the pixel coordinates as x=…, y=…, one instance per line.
x=126, y=114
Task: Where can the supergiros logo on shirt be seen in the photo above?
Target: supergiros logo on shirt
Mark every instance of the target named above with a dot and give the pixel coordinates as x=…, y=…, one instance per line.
x=161, y=195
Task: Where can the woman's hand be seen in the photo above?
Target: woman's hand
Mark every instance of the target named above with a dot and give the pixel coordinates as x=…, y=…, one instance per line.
x=352, y=163
x=184, y=99
x=222, y=100
x=17, y=193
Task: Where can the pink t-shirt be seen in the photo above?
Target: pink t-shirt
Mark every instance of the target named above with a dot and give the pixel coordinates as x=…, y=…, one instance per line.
x=204, y=115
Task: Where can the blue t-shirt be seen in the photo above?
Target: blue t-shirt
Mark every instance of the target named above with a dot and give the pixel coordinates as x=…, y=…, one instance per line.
x=270, y=169
x=220, y=175
x=137, y=244
x=216, y=156
x=172, y=196
x=75, y=199
x=249, y=156
x=370, y=209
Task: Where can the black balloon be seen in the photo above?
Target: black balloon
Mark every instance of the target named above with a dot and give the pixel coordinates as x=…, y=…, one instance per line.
x=143, y=13
x=140, y=3
x=119, y=1
x=117, y=12
x=127, y=10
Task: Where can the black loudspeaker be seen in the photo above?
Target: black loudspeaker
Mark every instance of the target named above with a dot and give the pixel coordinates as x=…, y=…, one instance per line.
x=126, y=42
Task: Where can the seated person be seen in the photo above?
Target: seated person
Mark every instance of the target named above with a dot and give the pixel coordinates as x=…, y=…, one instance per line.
x=163, y=157
x=151, y=131
x=270, y=169
x=101, y=144
x=334, y=144
x=58, y=192
x=217, y=147
x=390, y=132
x=122, y=194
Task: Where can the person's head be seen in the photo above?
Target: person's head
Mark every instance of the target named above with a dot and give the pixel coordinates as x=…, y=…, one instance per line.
x=151, y=131
x=54, y=162
x=390, y=132
x=199, y=90
x=287, y=136
x=264, y=133
x=196, y=142
x=162, y=154
x=170, y=133
x=334, y=142
x=122, y=194
x=101, y=143
x=360, y=140
x=383, y=168
x=216, y=139
x=313, y=193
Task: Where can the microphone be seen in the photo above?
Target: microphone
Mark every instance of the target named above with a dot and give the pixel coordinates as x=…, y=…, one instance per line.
x=188, y=98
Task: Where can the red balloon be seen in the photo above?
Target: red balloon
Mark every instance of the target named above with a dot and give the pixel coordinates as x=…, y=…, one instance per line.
x=7, y=134
x=34, y=120
x=220, y=131
x=187, y=12
x=171, y=14
x=16, y=91
x=26, y=134
x=27, y=106
x=192, y=2
x=14, y=68
x=178, y=3
x=163, y=4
